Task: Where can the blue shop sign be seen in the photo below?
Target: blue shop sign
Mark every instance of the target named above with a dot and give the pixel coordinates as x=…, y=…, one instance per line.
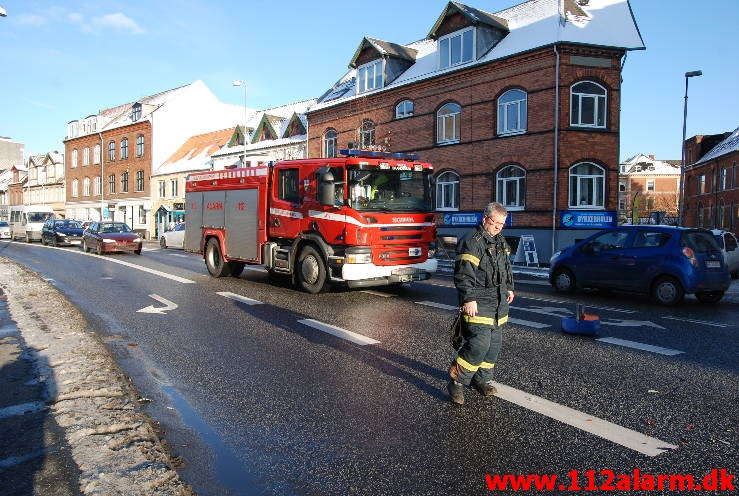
x=580, y=219
x=469, y=219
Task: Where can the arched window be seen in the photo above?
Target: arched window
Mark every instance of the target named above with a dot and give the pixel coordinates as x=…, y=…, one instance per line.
x=511, y=187
x=512, y=112
x=329, y=143
x=111, y=150
x=140, y=146
x=587, y=185
x=111, y=183
x=367, y=134
x=139, y=180
x=447, y=123
x=404, y=109
x=75, y=187
x=447, y=191
x=85, y=156
x=588, y=104
x=74, y=158
x=86, y=186
x=124, y=182
x=124, y=148
x=96, y=155
x=97, y=185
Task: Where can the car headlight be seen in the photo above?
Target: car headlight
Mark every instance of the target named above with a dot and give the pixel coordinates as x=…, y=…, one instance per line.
x=136, y=240
x=357, y=258
x=106, y=240
x=556, y=254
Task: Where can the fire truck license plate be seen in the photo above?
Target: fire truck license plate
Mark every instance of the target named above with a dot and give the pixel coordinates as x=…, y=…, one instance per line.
x=414, y=252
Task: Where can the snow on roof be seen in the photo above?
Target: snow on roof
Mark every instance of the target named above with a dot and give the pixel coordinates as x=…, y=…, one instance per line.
x=728, y=145
x=642, y=164
x=56, y=157
x=195, y=152
x=532, y=24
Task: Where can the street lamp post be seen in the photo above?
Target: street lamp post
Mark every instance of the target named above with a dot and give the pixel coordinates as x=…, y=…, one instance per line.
x=682, y=160
x=240, y=82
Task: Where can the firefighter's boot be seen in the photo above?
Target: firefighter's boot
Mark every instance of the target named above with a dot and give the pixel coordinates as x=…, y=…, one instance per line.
x=485, y=388
x=456, y=392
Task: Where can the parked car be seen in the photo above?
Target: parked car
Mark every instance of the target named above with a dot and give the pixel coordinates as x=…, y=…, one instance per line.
x=106, y=237
x=728, y=244
x=174, y=238
x=4, y=230
x=57, y=232
x=666, y=262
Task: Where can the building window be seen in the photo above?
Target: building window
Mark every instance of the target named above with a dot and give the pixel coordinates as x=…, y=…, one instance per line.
x=329, y=143
x=587, y=185
x=111, y=150
x=511, y=187
x=124, y=182
x=456, y=48
x=173, y=184
x=621, y=187
x=369, y=76
x=588, y=104
x=86, y=186
x=512, y=112
x=97, y=185
x=74, y=158
x=111, y=183
x=96, y=155
x=162, y=189
x=75, y=187
x=142, y=215
x=136, y=112
x=404, y=109
x=650, y=184
x=85, y=156
x=140, y=180
x=622, y=204
x=447, y=191
x=140, y=146
x=447, y=124
x=702, y=184
x=367, y=134
x=723, y=183
x=124, y=148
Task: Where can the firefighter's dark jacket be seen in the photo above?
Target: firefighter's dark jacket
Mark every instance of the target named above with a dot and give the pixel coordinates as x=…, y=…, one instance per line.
x=483, y=271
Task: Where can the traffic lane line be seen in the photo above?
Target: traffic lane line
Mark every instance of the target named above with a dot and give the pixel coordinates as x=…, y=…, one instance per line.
x=693, y=321
x=640, y=346
x=602, y=428
x=521, y=322
x=239, y=298
x=339, y=332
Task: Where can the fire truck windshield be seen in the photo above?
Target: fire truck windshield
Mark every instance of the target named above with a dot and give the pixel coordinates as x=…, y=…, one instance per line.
x=390, y=190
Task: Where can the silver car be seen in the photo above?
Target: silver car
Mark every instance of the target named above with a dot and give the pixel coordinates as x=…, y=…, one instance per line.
x=728, y=244
x=4, y=230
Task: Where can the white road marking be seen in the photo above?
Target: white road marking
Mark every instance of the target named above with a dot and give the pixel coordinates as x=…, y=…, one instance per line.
x=339, y=332
x=530, y=281
x=239, y=298
x=602, y=428
x=8, y=330
x=704, y=322
x=168, y=306
x=376, y=293
x=521, y=322
x=551, y=311
x=180, y=255
x=438, y=305
x=22, y=409
x=255, y=269
x=631, y=323
x=641, y=346
x=609, y=309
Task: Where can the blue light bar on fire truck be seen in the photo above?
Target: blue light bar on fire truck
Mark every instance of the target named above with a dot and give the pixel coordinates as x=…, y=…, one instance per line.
x=410, y=157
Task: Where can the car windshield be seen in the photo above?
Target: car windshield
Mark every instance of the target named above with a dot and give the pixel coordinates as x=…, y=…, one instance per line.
x=39, y=216
x=114, y=228
x=390, y=190
x=700, y=242
x=67, y=224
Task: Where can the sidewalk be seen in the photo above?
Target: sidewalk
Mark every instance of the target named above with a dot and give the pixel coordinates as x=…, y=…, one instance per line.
x=70, y=421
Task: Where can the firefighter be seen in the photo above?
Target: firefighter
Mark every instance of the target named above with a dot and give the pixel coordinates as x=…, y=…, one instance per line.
x=484, y=282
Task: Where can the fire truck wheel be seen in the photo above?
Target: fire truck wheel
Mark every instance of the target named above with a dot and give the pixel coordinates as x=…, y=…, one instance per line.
x=311, y=270
x=236, y=268
x=214, y=261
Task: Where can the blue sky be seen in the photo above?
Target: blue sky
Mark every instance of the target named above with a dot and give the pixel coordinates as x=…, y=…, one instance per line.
x=65, y=60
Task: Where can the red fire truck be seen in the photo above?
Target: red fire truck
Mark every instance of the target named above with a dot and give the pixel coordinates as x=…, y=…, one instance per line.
x=364, y=219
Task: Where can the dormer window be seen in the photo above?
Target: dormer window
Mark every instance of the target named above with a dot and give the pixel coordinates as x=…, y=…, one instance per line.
x=456, y=48
x=136, y=112
x=369, y=76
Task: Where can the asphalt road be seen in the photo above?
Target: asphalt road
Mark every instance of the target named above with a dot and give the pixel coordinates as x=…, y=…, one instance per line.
x=260, y=397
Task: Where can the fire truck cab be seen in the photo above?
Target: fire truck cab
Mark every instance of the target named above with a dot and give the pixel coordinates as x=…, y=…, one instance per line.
x=364, y=219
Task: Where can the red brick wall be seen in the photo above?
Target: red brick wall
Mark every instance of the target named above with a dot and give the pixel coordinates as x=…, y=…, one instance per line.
x=715, y=194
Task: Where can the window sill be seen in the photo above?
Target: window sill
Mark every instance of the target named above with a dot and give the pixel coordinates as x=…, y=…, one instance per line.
x=511, y=133
x=450, y=209
x=515, y=209
x=445, y=143
x=593, y=207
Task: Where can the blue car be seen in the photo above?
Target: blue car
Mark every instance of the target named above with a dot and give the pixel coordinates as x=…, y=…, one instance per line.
x=57, y=232
x=665, y=262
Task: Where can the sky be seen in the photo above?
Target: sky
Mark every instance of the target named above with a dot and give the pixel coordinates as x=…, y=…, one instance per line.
x=64, y=60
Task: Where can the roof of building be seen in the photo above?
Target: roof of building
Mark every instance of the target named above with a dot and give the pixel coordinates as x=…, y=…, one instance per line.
x=728, y=145
x=531, y=24
x=195, y=152
x=647, y=165
x=471, y=13
x=385, y=48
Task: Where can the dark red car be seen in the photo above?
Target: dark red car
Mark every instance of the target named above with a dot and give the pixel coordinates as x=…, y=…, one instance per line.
x=105, y=237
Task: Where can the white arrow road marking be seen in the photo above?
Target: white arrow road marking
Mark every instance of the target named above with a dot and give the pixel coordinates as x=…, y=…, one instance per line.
x=704, y=322
x=602, y=428
x=239, y=298
x=339, y=332
x=553, y=311
x=521, y=322
x=168, y=305
x=631, y=323
x=376, y=293
x=641, y=346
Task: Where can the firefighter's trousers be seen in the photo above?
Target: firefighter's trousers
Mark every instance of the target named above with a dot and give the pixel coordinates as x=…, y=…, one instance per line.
x=482, y=342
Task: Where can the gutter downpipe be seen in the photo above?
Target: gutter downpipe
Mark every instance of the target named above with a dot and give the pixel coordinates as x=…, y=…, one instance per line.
x=102, y=174
x=556, y=151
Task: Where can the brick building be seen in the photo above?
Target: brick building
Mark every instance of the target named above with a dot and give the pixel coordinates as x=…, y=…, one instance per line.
x=111, y=155
x=647, y=186
x=477, y=99
x=712, y=181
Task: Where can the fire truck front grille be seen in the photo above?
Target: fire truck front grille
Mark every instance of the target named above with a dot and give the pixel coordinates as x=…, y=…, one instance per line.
x=401, y=236
x=403, y=228
x=389, y=257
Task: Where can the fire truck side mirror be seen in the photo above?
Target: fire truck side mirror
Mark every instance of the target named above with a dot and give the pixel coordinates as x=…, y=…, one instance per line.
x=326, y=188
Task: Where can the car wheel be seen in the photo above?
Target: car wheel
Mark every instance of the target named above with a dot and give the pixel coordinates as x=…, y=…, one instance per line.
x=99, y=248
x=54, y=241
x=163, y=242
x=563, y=281
x=84, y=246
x=311, y=270
x=43, y=241
x=217, y=267
x=137, y=252
x=236, y=268
x=667, y=291
x=709, y=296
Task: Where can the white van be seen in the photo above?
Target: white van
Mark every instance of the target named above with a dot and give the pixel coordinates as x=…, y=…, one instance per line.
x=26, y=221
